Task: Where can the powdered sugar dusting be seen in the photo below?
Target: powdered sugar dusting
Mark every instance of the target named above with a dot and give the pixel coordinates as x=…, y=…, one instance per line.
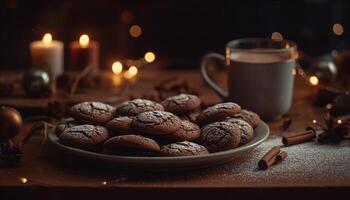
x=308, y=162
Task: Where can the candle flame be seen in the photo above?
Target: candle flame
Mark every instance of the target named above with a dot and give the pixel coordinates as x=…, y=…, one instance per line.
x=313, y=80
x=314, y=121
x=84, y=40
x=339, y=121
x=150, y=57
x=104, y=182
x=47, y=39
x=117, y=67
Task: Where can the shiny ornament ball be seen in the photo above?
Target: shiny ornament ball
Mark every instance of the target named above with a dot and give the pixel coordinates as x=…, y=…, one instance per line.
x=324, y=68
x=10, y=123
x=36, y=83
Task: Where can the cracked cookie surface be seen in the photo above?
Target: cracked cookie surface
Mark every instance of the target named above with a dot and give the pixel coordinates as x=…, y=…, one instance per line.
x=130, y=143
x=184, y=148
x=137, y=106
x=251, y=117
x=220, y=136
x=182, y=103
x=156, y=122
x=95, y=113
x=120, y=125
x=218, y=112
x=188, y=131
x=247, y=131
x=84, y=136
x=191, y=116
x=63, y=125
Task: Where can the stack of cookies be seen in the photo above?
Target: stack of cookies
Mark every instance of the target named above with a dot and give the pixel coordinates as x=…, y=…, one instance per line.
x=175, y=127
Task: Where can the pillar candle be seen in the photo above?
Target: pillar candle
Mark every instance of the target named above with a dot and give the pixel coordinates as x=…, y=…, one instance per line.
x=84, y=53
x=47, y=54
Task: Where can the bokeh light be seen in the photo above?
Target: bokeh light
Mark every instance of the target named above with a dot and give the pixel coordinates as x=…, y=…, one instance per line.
x=150, y=57
x=117, y=67
x=277, y=36
x=126, y=17
x=132, y=70
x=338, y=29
x=23, y=180
x=313, y=80
x=135, y=31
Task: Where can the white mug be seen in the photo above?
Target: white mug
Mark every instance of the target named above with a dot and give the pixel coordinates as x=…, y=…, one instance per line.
x=260, y=74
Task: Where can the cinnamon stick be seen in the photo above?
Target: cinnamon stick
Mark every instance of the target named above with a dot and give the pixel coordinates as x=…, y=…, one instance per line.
x=281, y=156
x=269, y=158
x=299, y=138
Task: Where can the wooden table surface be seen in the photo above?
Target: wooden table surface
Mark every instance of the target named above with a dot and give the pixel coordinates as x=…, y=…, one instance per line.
x=310, y=169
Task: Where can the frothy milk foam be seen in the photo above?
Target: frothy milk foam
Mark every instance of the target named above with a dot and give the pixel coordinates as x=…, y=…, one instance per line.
x=261, y=58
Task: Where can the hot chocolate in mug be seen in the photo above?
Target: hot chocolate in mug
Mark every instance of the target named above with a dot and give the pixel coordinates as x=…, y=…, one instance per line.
x=260, y=74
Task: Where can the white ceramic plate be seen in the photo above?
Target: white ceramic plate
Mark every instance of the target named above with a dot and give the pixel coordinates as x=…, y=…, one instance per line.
x=181, y=162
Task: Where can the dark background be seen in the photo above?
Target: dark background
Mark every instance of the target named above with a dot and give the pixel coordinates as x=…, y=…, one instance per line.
x=177, y=31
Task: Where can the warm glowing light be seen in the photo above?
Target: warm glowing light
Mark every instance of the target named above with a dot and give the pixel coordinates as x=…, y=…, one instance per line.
x=276, y=36
x=339, y=121
x=314, y=121
x=117, y=67
x=135, y=31
x=117, y=80
x=287, y=46
x=338, y=29
x=132, y=70
x=47, y=39
x=294, y=72
x=150, y=57
x=23, y=180
x=313, y=80
x=84, y=40
x=104, y=182
x=329, y=106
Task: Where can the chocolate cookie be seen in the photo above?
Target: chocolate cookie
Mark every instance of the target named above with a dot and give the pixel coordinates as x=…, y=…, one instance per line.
x=63, y=125
x=84, y=136
x=156, y=122
x=218, y=112
x=130, y=143
x=184, y=148
x=137, y=106
x=251, y=117
x=95, y=113
x=187, y=131
x=191, y=116
x=182, y=103
x=247, y=131
x=220, y=136
x=120, y=125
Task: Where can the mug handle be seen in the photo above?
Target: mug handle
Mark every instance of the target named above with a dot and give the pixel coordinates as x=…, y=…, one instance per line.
x=220, y=60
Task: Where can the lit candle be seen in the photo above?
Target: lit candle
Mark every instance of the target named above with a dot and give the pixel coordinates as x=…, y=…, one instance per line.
x=83, y=53
x=47, y=54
